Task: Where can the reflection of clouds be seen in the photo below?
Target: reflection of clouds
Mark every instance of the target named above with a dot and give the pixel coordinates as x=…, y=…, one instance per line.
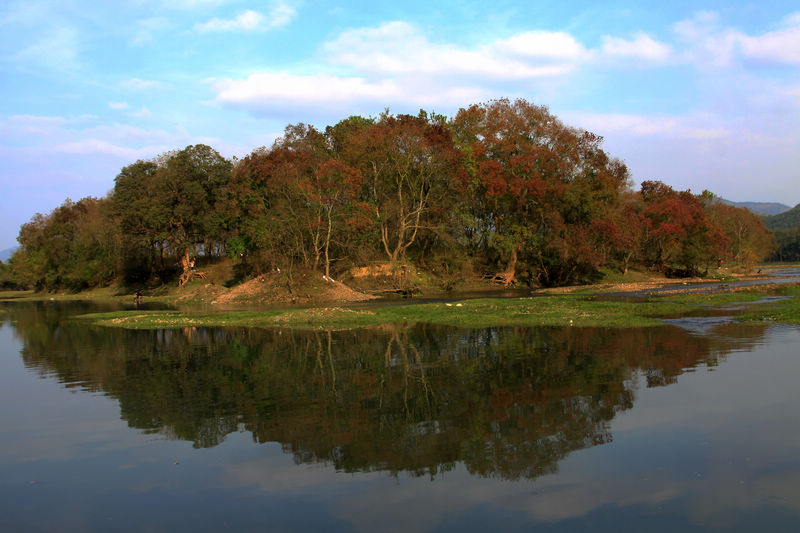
x=374, y=501
x=557, y=500
x=417, y=504
x=778, y=487
x=277, y=472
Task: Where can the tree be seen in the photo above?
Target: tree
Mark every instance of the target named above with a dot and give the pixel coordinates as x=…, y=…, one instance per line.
x=330, y=190
x=750, y=242
x=618, y=236
x=171, y=207
x=678, y=231
x=535, y=187
x=141, y=218
x=74, y=247
x=190, y=188
x=408, y=164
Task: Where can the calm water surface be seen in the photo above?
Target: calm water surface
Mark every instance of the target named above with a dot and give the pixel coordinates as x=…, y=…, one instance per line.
x=691, y=426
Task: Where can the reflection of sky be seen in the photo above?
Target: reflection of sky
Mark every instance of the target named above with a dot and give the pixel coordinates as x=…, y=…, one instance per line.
x=43, y=421
x=716, y=450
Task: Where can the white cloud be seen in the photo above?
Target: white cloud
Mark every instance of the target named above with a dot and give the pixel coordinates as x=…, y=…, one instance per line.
x=707, y=43
x=642, y=46
x=280, y=14
x=279, y=92
x=248, y=20
x=18, y=126
x=193, y=4
x=78, y=135
x=57, y=50
x=543, y=44
x=674, y=127
x=102, y=147
x=398, y=48
x=697, y=27
x=793, y=92
x=782, y=45
x=118, y=105
x=141, y=113
x=396, y=63
x=146, y=28
x=130, y=135
x=36, y=120
x=138, y=84
x=270, y=90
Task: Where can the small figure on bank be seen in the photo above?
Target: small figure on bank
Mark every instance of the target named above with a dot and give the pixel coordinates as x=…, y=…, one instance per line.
x=137, y=298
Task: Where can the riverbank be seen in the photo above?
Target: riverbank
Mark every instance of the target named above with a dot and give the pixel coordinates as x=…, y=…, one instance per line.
x=576, y=310
x=336, y=305
x=281, y=289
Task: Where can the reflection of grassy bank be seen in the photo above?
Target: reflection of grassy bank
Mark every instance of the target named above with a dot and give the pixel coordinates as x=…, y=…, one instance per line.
x=577, y=310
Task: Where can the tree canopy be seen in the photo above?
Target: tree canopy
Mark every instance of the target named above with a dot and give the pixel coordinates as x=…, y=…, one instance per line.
x=503, y=190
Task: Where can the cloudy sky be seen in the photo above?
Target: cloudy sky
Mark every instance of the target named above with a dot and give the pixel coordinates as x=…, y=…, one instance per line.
x=700, y=95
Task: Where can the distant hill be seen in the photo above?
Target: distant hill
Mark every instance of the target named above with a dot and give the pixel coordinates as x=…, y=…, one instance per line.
x=6, y=254
x=787, y=219
x=761, y=208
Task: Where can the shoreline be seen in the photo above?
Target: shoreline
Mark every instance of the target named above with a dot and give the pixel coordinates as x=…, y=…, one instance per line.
x=611, y=304
x=314, y=293
x=578, y=310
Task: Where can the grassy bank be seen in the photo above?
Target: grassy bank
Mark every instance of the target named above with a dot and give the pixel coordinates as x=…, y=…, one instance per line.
x=102, y=294
x=785, y=311
x=555, y=310
x=577, y=306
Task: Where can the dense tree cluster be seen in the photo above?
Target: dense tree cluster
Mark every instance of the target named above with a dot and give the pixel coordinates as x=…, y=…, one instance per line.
x=503, y=189
x=786, y=226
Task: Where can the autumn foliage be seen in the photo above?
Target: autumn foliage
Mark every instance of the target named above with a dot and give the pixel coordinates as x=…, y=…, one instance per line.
x=503, y=190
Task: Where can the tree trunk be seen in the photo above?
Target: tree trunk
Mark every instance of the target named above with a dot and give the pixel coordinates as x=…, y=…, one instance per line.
x=328, y=245
x=507, y=276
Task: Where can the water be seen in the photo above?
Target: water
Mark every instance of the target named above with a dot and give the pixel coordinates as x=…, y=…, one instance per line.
x=691, y=426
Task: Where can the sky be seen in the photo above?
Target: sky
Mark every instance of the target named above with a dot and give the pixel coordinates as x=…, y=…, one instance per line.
x=699, y=95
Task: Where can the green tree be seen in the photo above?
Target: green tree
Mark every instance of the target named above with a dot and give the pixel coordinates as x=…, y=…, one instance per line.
x=75, y=246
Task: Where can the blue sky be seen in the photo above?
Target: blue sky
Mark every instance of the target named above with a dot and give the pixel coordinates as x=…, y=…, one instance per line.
x=700, y=95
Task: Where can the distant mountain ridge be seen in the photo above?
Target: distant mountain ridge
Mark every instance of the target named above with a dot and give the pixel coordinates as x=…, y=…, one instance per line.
x=6, y=254
x=787, y=219
x=761, y=208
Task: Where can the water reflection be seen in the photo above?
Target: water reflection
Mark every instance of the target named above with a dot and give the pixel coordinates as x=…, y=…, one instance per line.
x=504, y=402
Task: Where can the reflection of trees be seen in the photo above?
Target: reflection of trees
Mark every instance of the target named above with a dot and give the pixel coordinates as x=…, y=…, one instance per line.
x=506, y=402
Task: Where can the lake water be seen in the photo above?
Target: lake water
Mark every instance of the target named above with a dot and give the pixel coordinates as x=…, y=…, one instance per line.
x=690, y=426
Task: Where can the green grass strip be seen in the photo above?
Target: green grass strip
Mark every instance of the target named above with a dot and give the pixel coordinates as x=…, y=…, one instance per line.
x=556, y=310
